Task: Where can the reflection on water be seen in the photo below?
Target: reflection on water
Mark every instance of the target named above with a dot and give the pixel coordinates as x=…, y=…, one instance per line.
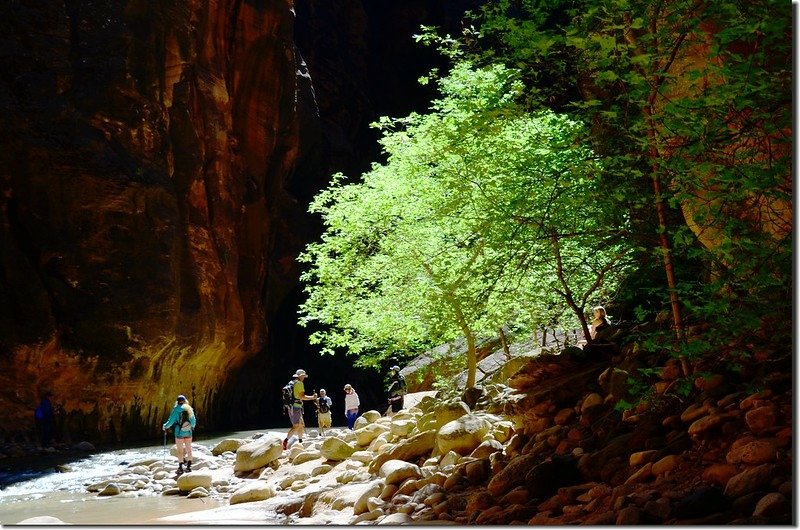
x=64, y=495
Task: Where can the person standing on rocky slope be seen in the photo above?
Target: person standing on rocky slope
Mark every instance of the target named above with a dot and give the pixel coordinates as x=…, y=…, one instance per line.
x=397, y=390
x=296, y=410
x=183, y=418
x=323, y=411
x=351, y=404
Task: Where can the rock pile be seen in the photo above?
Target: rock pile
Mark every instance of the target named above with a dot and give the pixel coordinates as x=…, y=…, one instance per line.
x=562, y=454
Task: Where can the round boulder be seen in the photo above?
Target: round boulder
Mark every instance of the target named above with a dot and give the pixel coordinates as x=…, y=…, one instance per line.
x=189, y=481
x=258, y=453
x=371, y=416
x=462, y=435
x=229, y=444
x=254, y=491
x=448, y=411
x=396, y=471
x=336, y=449
x=365, y=435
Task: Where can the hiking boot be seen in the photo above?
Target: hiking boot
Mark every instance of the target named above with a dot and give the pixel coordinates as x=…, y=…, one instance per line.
x=180, y=469
x=189, y=466
x=285, y=443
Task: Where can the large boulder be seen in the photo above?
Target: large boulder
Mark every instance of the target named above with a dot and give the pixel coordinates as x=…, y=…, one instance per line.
x=257, y=490
x=258, y=453
x=449, y=411
x=402, y=428
x=361, y=504
x=512, y=475
x=336, y=449
x=306, y=456
x=396, y=471
x=365, y=435
x=189, y=481
x=228, y=444
x=410, y=449
x=371, y=416
x=462, y=435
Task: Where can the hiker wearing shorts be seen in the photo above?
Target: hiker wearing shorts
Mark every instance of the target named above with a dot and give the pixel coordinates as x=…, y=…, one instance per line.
x=183, y=418
x=296, y=410
x=323, y=411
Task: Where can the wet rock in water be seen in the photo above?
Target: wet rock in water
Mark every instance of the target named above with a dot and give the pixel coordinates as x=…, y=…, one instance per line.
x=396, y=471
x=110, y=489
x=63, y=468
x=171, y=491
x=84, y=446
x=462, y=435
x=258, y=453
x=41, y=520
x=226, y=445
x=198, y=493
x=189, y=481
x=336, y=449
x=253, y=491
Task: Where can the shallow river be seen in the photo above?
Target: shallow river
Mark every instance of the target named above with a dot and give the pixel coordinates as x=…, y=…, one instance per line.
x=64, y=495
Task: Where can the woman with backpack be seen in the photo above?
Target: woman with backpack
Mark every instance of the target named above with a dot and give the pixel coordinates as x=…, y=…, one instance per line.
x=183, y=418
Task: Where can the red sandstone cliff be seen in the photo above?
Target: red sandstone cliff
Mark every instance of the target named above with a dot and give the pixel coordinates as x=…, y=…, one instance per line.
x=156, y=161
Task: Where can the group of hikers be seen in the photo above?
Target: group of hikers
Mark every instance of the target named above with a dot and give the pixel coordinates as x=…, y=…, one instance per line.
x=295, y=394
x=182, y=417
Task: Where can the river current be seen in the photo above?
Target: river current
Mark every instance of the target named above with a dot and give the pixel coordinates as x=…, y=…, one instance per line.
x=30, y=493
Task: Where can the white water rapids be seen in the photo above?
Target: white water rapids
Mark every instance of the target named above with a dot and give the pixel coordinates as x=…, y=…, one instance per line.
x=64, y=495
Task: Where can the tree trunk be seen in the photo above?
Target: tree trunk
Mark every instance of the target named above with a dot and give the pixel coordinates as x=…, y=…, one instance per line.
x=504, y=342
x=472, y=358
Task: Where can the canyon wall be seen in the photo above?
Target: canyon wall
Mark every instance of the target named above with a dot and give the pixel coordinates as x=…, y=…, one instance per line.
x=157, y=161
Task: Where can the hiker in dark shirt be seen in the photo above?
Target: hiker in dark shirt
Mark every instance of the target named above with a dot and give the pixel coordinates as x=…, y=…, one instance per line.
x=397, y=389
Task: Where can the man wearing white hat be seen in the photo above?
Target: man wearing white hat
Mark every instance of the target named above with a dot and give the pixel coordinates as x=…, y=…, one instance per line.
x=296, y=410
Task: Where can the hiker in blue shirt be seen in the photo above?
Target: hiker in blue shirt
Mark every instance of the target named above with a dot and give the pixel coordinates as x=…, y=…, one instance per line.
x=184, y=420
x=45, y=419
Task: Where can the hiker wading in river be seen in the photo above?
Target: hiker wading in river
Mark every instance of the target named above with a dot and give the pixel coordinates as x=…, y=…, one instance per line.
x=183, y=418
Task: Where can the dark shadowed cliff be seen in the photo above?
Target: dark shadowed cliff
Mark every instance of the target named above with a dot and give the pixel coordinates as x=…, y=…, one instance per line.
x=157, y=158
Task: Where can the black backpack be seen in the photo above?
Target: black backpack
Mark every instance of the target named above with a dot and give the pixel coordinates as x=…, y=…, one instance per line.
x=287, y=394
x=323, y=405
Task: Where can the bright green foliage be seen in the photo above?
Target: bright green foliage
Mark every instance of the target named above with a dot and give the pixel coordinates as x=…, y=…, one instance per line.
x=482, y=215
